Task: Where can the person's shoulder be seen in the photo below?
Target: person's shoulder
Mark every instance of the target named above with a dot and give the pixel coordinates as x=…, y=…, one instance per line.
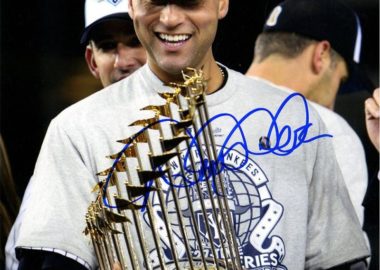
x=91, y=103
x=267, y=92
x=106, y=98
x=238, y=78
x=333, y=120
x=280, y=99
x=115, y=101
x=264, y=86
x=98, y=104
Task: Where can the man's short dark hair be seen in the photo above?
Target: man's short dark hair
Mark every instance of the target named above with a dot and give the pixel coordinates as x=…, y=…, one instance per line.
x=288, y=45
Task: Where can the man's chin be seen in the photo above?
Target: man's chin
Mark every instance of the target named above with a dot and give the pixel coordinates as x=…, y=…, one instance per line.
x=177, y=69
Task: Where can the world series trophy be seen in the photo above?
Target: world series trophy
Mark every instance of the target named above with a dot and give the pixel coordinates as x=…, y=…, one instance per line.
x=153, y=201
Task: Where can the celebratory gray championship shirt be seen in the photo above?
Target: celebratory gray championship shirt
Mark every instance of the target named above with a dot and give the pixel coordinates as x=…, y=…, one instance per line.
x=289, y=205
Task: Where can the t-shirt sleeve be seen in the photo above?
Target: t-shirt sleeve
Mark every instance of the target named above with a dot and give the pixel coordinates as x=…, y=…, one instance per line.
x=59, y=195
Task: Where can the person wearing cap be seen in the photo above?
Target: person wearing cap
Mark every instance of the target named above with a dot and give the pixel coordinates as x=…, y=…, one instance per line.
x=312, y=47
x=113, y=50
x=291, y=207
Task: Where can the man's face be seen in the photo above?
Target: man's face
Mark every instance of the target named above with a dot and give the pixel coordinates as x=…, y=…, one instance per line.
x=329, y=83
x=177, y=34
x=114, y=51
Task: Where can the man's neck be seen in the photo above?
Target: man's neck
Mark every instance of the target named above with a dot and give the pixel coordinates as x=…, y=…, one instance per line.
x=285, y=72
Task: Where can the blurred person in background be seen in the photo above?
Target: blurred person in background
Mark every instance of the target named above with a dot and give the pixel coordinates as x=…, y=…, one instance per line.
x=113, y=50
x=299, y=53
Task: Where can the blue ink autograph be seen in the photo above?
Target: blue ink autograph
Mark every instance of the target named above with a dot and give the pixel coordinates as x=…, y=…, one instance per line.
x=285, y=141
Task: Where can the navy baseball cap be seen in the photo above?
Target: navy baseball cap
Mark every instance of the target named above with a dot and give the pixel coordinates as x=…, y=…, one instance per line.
x=329, y=20
x=98, y=11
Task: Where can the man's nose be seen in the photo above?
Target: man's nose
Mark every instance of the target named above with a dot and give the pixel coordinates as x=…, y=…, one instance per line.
x=124, y=56
x=171, y=15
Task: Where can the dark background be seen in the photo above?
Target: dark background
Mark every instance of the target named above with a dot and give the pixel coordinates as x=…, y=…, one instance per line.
x=43, y=69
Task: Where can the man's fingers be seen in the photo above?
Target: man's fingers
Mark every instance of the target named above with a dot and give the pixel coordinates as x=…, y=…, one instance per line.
x=376, y=96
x=372, y=109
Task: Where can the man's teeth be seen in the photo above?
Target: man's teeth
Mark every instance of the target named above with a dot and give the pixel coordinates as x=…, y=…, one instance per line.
x=174, y=38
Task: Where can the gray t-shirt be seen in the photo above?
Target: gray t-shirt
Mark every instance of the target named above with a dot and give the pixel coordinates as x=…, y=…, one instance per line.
x=290, y=205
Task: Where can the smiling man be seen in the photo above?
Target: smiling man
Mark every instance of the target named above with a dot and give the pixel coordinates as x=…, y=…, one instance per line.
x=181, y=40
x=289, y=204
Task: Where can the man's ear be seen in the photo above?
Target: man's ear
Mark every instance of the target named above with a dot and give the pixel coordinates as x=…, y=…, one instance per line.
x=223, y=8
x=321, y=56
x=91, y=63
x=131, y=12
